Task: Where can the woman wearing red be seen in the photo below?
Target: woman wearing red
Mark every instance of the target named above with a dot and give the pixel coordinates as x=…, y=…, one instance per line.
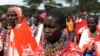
x=19, y=40
x=56, y=42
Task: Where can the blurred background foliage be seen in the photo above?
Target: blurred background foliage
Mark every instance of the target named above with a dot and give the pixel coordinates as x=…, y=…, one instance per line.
x=74, y=7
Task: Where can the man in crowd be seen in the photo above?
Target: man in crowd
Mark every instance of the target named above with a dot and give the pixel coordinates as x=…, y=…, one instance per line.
x=89, y=37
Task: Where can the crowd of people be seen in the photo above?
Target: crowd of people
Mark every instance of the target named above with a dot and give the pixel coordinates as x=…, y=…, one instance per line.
x=50, y=34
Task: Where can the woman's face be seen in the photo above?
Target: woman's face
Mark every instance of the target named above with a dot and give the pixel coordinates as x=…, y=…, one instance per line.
x=52, y=29
x=11, y=18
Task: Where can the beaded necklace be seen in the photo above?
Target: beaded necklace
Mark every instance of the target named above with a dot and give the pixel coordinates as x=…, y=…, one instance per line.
x=54, y=49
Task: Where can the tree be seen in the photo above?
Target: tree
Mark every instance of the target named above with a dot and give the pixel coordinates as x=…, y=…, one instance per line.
x=33, y=3
x=90, y=5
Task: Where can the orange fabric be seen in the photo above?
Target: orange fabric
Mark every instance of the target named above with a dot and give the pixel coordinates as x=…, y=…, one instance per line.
x=70, y=25
x=23, y=36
